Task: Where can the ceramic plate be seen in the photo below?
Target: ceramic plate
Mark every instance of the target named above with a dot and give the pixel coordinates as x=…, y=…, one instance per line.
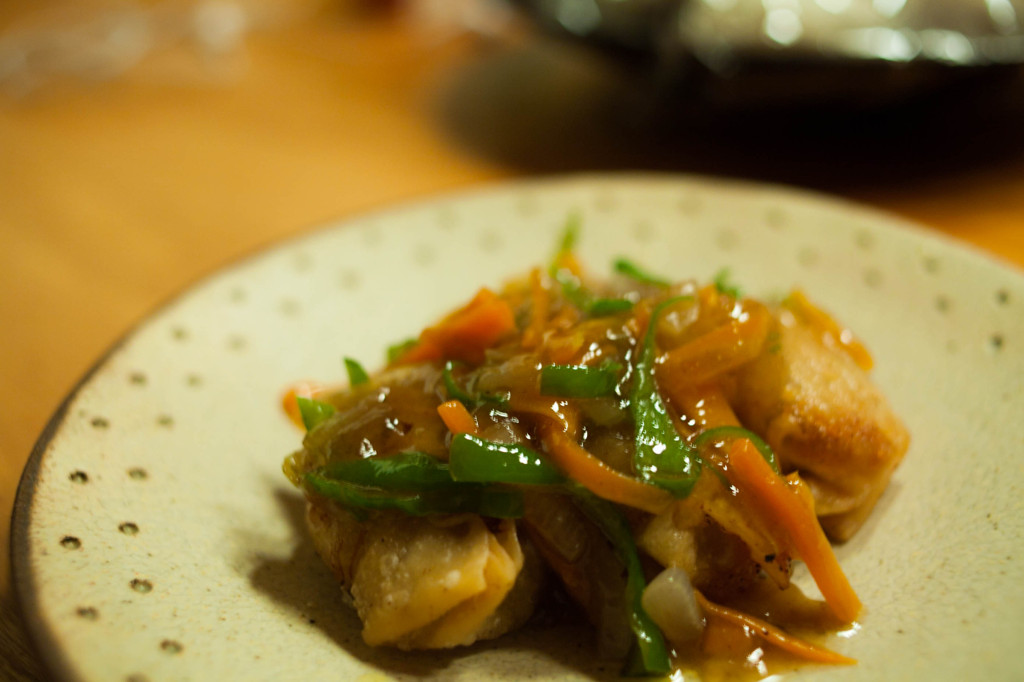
x=156, y=539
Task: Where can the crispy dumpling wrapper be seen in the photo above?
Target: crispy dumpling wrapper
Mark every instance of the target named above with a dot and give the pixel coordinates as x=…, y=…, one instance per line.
x=824, y=417
x=428, y=582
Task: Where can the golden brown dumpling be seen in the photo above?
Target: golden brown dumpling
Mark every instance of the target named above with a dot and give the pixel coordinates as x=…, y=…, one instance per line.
x=428, y=582
x=824, y=417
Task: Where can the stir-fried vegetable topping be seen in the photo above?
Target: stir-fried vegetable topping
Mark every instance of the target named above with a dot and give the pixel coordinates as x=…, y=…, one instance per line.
x=397, y=350
x=313, y=411
x=356, y=374
x=413, y=471
x=465, y=334
x=456, y=417
x=465, y=499
x=468, y=398
x=602, y=307
x=793, y=516
x=661, y=456
x=634, y=271
x=581, y=297
x=608, y=401
x=723, y=282
x=723, y=434
x=566, y=272
x=475, y=459
x=412, y=482
x=570, y=235
x=580, y=381
x=648, y=656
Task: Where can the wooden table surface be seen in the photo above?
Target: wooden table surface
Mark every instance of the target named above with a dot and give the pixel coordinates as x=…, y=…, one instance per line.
x=117, y=193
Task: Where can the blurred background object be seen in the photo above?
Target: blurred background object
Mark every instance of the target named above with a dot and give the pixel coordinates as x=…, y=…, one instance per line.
x=145, y=143
x=927, y=41
x=94, y=41
x=819, y=79
x=103, y=39
x=962, y=32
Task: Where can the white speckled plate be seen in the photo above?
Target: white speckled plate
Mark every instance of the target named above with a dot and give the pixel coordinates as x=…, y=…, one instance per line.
x=156, y=539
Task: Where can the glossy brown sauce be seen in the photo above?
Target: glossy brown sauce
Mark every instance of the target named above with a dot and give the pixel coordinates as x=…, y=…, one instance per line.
x=701, y=339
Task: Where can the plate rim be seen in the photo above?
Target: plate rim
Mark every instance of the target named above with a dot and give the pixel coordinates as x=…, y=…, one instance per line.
x=42, y=640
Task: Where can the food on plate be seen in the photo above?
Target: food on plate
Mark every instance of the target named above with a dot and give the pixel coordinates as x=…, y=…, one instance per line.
x=661, y=452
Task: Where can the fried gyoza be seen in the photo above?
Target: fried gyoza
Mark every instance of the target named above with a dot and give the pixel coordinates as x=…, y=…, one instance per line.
x=566, y=423
x=824, y=418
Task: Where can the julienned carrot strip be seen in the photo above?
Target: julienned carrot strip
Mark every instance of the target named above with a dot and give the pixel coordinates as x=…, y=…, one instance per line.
x=637, y=324
x=723, y=348
x=457, y=418
x=598, y=477
x=771, y=634
x=784, y=508
x=465, y=334
x=563, y=348
x=423, y=351
x=301, y=389
x=539, y=304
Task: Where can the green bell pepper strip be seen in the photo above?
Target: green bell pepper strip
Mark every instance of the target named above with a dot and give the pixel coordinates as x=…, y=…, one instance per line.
x=603, y=307
x=566, y=241
x=723, y=282
x=475, y=459
x=356, y=374
x=459, y=499
x=572, y=287
x=649, y=655
x=583, y=299
x=633, y=271
x=579, y=381
x=718, y=433
x=455, y=392
x=313, y=411
x=408, y=471
x=661, y=455
x=397, y=350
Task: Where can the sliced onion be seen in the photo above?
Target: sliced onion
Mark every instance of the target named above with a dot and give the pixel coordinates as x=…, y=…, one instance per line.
x=561, y=525
x=670, y=602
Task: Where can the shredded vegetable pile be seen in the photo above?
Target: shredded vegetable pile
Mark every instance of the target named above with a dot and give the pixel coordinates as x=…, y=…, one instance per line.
x=644, y=441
